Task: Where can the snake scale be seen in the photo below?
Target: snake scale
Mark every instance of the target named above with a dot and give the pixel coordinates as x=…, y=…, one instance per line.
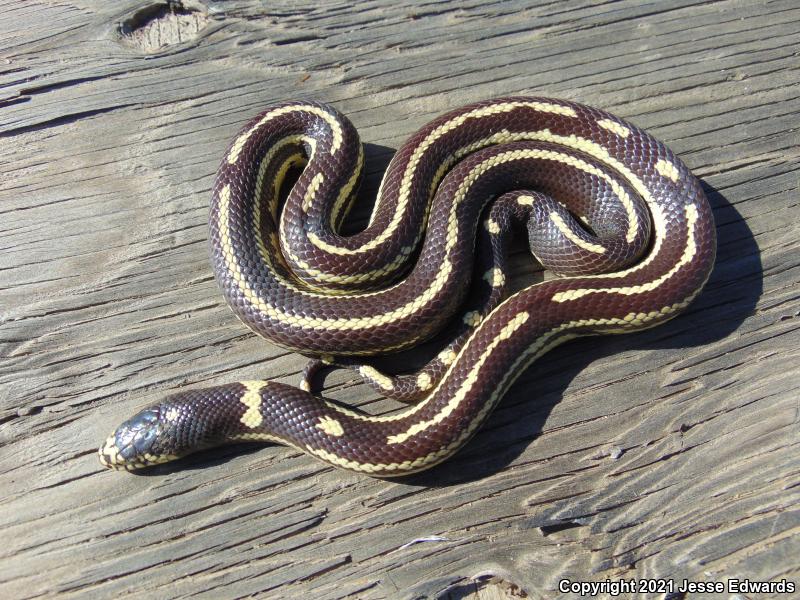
x=605, y=205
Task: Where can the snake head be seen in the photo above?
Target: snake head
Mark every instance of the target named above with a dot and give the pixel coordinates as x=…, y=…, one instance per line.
x=138, y=442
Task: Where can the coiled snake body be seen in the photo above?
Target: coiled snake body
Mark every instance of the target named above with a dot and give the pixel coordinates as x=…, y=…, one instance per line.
x=604, y=203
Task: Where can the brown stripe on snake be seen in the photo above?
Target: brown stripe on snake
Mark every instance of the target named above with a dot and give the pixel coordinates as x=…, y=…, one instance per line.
x=605, y=204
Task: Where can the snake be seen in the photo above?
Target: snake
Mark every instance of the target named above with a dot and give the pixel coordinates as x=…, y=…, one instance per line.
x=616, y=216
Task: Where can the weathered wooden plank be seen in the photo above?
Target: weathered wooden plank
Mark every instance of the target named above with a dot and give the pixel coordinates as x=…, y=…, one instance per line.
x=672, y=453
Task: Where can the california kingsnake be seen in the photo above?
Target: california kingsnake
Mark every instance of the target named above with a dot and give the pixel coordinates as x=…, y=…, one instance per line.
x=604, y=203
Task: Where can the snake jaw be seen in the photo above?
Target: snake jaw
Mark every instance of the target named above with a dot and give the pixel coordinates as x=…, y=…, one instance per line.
x=133, y=444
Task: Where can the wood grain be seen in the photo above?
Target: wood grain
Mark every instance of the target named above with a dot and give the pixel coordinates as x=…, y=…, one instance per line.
x=671, y=454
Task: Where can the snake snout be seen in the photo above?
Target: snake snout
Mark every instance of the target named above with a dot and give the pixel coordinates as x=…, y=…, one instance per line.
x=133, y=444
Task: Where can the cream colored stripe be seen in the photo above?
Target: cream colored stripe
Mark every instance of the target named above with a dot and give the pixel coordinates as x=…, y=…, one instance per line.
x=330, y=426
x=424, y=381
x=343, y=279
x=347, y=191
x=688, y=254
x=451, y=237
x=503, y=136
x=469, y=381
x=447, y=356
x=272, y=204
x=495, y=277
x=615, y=127
x=540, y=346
x=405, y=184
x=336, y=129
x=492, y=226
x=252, y=417
x=257, y=437
x=589, y=147
x=570, y=235
x=372, y=374
x=597, y=151
x=297, y=158
x=525, y=200
x=411, y=307
x=472, y=318
x=272, y=200
x=668, y=169
x=311, y=190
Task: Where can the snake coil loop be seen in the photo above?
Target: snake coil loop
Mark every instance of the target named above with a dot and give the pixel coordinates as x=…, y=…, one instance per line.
x=606, y=206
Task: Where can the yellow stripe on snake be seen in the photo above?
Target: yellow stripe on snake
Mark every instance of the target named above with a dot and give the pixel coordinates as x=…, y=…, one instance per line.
x=606, y=206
